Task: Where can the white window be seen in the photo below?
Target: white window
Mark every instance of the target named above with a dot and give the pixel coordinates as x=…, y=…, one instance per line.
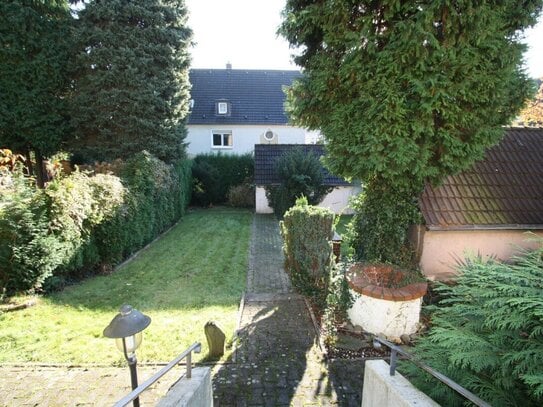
x=222, y=108
x=222, y=139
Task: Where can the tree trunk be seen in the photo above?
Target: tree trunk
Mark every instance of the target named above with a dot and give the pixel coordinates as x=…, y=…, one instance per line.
x=40, y=170
x=28, y=161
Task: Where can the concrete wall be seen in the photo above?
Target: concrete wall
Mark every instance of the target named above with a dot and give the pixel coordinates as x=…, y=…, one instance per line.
x=390, y=318
x=383, y=390
x=440, y=250
x=193, y=392
x=244, y=138
x=337, y=200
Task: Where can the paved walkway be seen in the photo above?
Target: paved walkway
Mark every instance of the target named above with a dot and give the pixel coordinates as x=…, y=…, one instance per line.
x=278, y=361
x=76, y=386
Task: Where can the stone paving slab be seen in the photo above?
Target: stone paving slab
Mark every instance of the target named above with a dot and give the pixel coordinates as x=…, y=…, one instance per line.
x=77, y=386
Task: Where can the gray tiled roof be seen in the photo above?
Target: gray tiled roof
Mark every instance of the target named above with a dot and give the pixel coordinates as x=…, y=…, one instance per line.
x=267, y=154
x=255, y=96
x=502, y=191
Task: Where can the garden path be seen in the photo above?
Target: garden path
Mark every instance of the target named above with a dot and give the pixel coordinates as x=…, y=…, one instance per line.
x=278, y=361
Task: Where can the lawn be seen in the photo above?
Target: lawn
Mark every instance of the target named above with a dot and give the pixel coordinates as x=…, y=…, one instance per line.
x=341, y=229
x=193, y=274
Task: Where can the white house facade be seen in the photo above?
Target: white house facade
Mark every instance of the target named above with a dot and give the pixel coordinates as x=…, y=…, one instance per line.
x=234, y=109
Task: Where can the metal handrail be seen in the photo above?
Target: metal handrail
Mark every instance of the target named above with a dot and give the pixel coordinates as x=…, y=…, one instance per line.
x=195, y=347
x=395, y=350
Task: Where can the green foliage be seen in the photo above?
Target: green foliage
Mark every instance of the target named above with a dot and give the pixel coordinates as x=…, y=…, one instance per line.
x=407, y=92
x=307, y=233
x=383, y=216
x=301, y=175
x=35, y=48
x=157, y=197
x=487, y=333
x=243, y=195
x=131, y=87
x=338, y=301
x=80, y=224
x=27, y=251
x=215, y=174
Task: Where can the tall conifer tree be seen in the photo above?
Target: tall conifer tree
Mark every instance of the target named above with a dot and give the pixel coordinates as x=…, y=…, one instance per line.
x=34, y=54
x=406, y=92
x=131, y=86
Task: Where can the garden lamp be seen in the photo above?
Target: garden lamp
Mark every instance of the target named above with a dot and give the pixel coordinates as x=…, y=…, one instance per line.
x=126, y=328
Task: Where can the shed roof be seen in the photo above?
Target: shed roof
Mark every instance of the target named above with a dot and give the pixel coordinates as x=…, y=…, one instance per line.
x=266, y=156
x=502, y=191
x=255, y=96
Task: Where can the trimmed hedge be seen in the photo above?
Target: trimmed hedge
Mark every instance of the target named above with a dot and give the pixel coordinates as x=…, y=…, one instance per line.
x=215, y=174
x=81, y=224
x=307, y=233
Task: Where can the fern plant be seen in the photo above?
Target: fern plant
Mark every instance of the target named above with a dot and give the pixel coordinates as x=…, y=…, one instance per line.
x=487, y=333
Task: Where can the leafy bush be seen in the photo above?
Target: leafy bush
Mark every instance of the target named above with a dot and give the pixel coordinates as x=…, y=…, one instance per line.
x=157, y=196
x=27, y=251
x=243, y=195
x=82, y=223
x=487, y=334
x=338, y=301
x=380, y=225
x=215, y=174
x=301, y=175
x=307, y=232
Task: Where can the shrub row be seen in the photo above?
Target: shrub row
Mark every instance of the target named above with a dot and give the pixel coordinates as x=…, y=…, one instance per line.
x=82, y=224
x=215, y=174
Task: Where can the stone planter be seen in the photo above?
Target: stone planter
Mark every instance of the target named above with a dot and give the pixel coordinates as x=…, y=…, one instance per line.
x=380, y=309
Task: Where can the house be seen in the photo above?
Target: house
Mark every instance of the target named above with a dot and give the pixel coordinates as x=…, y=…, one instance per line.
x=266, y=156
x=486, y=210
x=234, y=109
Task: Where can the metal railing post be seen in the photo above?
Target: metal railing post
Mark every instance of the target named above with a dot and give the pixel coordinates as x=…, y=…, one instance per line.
x=189, y=365
x=393, y=361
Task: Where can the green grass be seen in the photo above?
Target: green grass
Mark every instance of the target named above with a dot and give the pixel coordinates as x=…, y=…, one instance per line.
x=193, y=274
x=341, y=229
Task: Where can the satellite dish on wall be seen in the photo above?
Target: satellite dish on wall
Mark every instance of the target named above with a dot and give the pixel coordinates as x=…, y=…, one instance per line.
x=269, y=137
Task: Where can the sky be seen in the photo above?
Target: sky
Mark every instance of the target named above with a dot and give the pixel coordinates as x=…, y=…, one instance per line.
x=243, y=32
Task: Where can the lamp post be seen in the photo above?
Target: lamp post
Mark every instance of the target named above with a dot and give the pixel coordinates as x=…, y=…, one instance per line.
x=126, y=327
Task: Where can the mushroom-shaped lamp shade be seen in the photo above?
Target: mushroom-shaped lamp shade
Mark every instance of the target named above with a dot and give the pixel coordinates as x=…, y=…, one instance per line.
x=126, y=328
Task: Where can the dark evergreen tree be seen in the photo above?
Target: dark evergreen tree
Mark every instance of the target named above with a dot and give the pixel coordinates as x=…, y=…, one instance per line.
x=34, y=53
x=131, y=86
x=407, y=92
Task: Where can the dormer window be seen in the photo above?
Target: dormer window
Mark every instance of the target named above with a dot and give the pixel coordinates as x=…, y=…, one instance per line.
x=222, y=108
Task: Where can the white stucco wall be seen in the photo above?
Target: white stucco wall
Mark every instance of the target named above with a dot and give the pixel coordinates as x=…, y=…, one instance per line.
x=337, y=200
x=390, y=318
x=442, y=249
x=244, y=138
x=383, y=390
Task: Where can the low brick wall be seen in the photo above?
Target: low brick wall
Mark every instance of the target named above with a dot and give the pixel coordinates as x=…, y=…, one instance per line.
x=383, y=390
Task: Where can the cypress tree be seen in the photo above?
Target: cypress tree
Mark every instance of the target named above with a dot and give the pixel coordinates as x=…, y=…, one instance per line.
x=407, y=92
x=34, y=53
x=131, y=88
